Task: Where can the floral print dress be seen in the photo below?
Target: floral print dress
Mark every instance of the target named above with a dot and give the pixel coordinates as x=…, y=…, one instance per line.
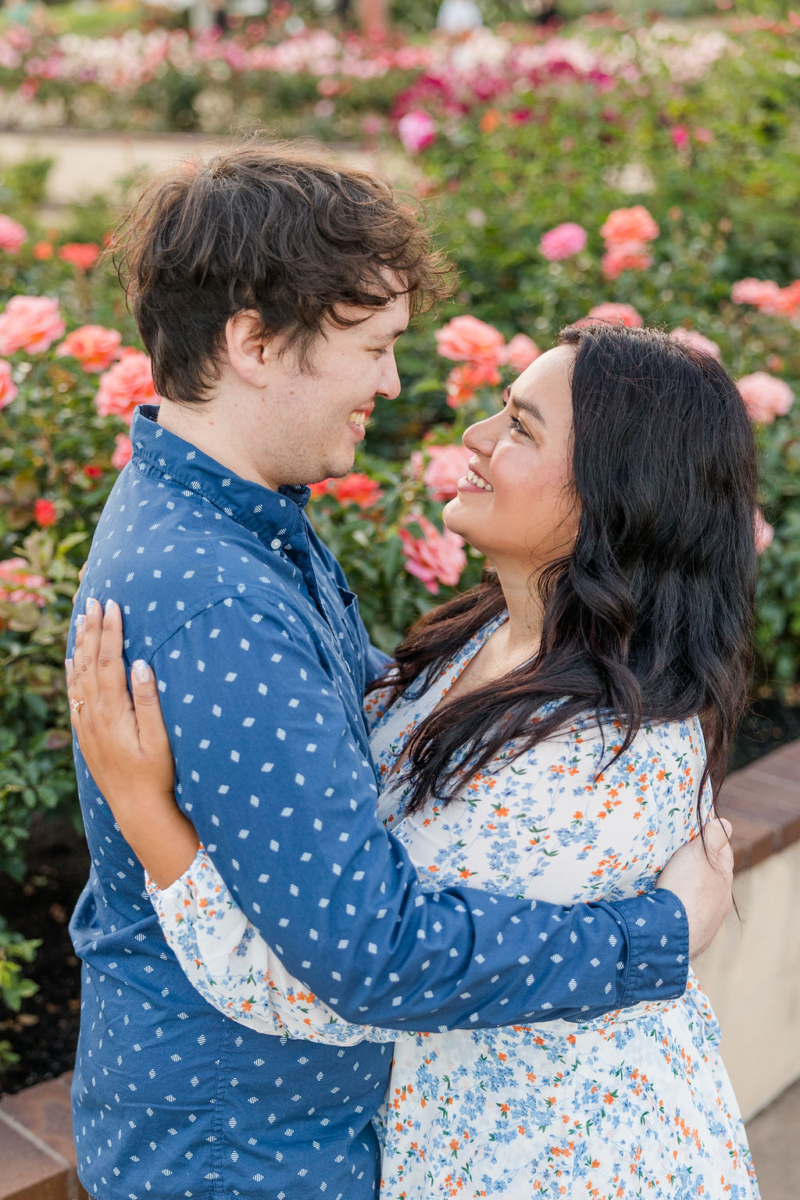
x=633, y=1104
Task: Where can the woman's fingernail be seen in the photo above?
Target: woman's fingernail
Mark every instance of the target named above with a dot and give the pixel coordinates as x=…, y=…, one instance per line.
x=141, y=670
x=80, y=621
x=90, y=603
x=110, y=606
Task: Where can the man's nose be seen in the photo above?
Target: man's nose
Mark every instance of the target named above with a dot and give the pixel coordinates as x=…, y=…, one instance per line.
x=390, y=381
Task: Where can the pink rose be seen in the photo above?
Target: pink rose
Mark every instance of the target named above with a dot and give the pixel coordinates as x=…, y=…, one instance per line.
x=16, y=582
x=703, y=135
x=521, y=351
x=94, y=346
x=765, y=397
x=680, y=136
x=466, y=339
x=754, y=291
x=8, y=388
x=627, y=256
x=464, y=381
x=629, y=225
x=417, y=130
x=563, y=241
x=623, y=314
x=12, y=234
x=128, y=383
x=764, y=532
x=30, y=323
x=446, y=466
x=123, y=452
x=435, y=557
x=697, y=341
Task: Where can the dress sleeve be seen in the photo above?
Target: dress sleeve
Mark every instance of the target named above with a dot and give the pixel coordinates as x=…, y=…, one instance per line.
x=228, y=962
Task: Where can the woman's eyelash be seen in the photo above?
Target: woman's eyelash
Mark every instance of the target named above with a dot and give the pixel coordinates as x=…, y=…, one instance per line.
x=516, y=425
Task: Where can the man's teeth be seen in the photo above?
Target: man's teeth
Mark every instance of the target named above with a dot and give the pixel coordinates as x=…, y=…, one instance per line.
x=478, y=482
x=359, y=418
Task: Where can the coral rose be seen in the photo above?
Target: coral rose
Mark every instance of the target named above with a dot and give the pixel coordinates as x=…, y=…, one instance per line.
x=628, y=256
x=128, y=383
x=44, y=513
x=765, y=397
x=622, y=314
x=464, y=381
x=783, y=303
x=354, y=488
x=12, y=234
x=43, y=251
x=82, y=255
x=696, y=341
x=123, y=452
x=417, y=130
x=17, y=580
x=8, y=388
x=520, y=352
x=446, y=466
x=466, y=339
x=764, y=532
x=30, y=323
x=435, y=557
x=629, y=225
x=563, y=241
x=94, y=346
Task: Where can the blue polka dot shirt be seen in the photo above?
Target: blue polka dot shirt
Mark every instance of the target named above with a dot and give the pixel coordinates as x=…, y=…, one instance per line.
x=262, y=661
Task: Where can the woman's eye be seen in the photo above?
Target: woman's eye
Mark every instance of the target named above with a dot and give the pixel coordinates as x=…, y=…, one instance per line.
x=516, y=425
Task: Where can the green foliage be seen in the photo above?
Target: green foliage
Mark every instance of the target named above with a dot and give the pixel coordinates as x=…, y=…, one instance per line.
x=14, y=987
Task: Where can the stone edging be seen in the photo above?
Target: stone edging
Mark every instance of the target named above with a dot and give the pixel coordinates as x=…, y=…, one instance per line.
x=37, y=1151
x=762, y=802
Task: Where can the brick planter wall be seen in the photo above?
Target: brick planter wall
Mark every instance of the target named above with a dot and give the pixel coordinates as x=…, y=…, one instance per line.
x=751, y=973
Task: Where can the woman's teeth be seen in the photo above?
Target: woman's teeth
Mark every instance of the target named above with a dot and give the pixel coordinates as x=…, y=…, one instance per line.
x=478, y=482
x=359, y=418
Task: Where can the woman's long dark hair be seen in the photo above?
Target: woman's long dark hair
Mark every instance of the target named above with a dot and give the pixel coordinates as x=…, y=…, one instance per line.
x=650, y=616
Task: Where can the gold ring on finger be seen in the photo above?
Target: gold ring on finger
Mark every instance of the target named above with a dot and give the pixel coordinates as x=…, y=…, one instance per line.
x=76, y=705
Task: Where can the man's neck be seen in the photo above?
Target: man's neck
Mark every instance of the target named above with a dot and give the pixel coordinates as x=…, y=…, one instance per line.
x=202, y=425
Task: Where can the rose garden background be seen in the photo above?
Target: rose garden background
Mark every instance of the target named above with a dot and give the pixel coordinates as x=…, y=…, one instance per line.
x=614, y=165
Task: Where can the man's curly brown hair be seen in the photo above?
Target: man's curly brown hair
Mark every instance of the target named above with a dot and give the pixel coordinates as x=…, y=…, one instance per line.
x=272, y=228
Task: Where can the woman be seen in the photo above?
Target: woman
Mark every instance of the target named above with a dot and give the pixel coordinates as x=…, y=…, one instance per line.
x=554, y=734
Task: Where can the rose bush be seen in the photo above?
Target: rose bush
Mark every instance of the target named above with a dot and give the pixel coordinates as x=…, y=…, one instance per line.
x=532, y=135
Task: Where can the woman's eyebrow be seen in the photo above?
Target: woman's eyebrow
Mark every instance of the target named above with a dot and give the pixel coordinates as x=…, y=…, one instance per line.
x=529, y=407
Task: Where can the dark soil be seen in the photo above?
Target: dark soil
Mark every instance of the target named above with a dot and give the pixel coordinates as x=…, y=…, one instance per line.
x=45, y=1033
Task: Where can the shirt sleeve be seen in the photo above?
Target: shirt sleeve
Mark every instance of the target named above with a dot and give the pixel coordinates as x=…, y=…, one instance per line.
x=232, y=967
x=283, y=797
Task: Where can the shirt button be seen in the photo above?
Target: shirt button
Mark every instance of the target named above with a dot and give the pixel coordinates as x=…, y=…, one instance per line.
x=275, y=543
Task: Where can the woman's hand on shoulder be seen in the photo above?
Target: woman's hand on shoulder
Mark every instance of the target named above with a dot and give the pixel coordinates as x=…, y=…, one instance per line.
x=124, y=742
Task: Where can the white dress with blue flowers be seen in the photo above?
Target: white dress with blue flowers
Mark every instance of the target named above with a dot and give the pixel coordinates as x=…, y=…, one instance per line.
x=633, y=1104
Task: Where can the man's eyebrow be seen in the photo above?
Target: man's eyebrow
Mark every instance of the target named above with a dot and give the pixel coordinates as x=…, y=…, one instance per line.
x=529, y=407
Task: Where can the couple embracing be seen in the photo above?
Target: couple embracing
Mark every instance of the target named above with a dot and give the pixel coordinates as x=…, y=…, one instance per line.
x=418, y=927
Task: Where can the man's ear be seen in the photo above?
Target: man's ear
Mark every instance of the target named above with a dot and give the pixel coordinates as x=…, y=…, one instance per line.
x=249, y=346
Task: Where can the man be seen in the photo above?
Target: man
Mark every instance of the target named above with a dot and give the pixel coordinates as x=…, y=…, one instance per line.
x=270, y=291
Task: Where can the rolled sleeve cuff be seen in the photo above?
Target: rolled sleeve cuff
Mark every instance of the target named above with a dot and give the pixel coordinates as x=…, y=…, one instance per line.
x=180, y=896
x=658, y=947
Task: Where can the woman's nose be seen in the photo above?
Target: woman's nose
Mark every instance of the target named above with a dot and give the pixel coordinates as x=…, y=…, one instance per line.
x=482, y=437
